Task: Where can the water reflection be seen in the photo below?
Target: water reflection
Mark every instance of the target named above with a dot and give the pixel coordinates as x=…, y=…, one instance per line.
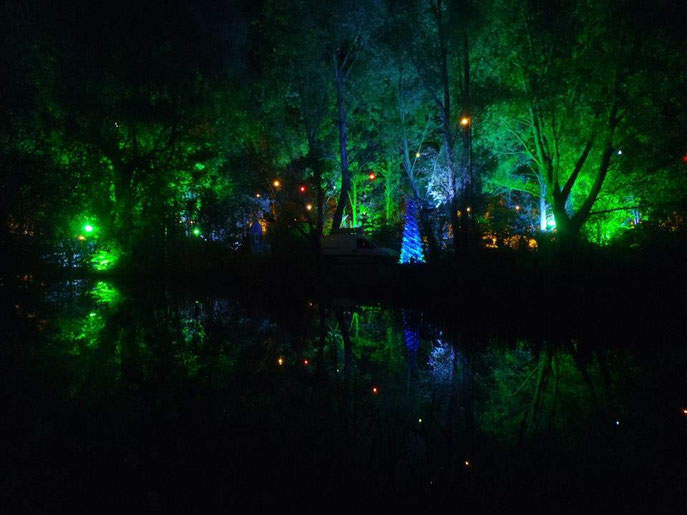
x=199, y=402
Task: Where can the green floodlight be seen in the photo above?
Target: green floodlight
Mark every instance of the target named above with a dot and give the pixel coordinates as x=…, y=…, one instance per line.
x=196, y=231
x=88, y=228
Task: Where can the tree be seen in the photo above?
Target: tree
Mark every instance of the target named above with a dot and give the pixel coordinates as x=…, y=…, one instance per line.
x=576, y=70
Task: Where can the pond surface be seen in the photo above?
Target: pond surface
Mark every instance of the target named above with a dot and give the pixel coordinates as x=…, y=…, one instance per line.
x=160, y=399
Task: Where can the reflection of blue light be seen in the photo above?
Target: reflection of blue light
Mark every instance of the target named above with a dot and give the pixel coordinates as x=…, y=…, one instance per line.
x=411, y=335
x=411, y=248
x=441, y=360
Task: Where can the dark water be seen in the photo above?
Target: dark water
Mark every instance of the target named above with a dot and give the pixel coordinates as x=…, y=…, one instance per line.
x=158, y=399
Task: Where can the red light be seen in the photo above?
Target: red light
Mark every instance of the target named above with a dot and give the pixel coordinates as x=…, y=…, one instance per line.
x=302, y=189
x=306, y=362
x=684, y=158
x=375, y=390
x=372, y=176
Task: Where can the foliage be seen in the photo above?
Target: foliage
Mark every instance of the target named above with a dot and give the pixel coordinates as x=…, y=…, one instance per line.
x=156, y=133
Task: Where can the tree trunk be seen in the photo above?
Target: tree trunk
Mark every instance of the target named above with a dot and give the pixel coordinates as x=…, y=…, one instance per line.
x=343, y=150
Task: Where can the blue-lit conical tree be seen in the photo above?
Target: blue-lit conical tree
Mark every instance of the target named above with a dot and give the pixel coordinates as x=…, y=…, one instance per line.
x=411, y=248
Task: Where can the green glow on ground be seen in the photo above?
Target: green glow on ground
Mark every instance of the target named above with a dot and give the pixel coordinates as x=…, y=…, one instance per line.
x=106, y=257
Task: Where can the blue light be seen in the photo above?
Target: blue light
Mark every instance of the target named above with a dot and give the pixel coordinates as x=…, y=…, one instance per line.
x=411, y=248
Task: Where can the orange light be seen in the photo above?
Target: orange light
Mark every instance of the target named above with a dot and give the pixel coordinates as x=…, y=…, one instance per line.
x=81, y=237
x=684, y=411
x=467, y=463
x=276, y=183
x=308, y=207
x=372, y=176
x=375, y=390
x=468, y=209
x=280, y=361
x=465, y=121
x=257, y=195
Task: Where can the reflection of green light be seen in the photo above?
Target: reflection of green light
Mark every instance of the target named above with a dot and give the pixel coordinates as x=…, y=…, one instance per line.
x=88, y=228
x=196, y=231
x=105, y=293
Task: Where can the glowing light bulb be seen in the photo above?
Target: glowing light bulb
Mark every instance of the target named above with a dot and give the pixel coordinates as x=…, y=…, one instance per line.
x=308, y=207
x=306, y=362
x=372, y=176
x=302, y=189
x=465, y=121
x=257, y=195
x=517, y=208
x=417, y=154
x=419, y=421
x=276, y=183
x=196, y=231
x=467, y=463
x=617, y=422
x=280, y=361
x=81, y=237
x=88, y=228
x=684, y=411
x=375, y=390
x=468, y=209
x=619, y=152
